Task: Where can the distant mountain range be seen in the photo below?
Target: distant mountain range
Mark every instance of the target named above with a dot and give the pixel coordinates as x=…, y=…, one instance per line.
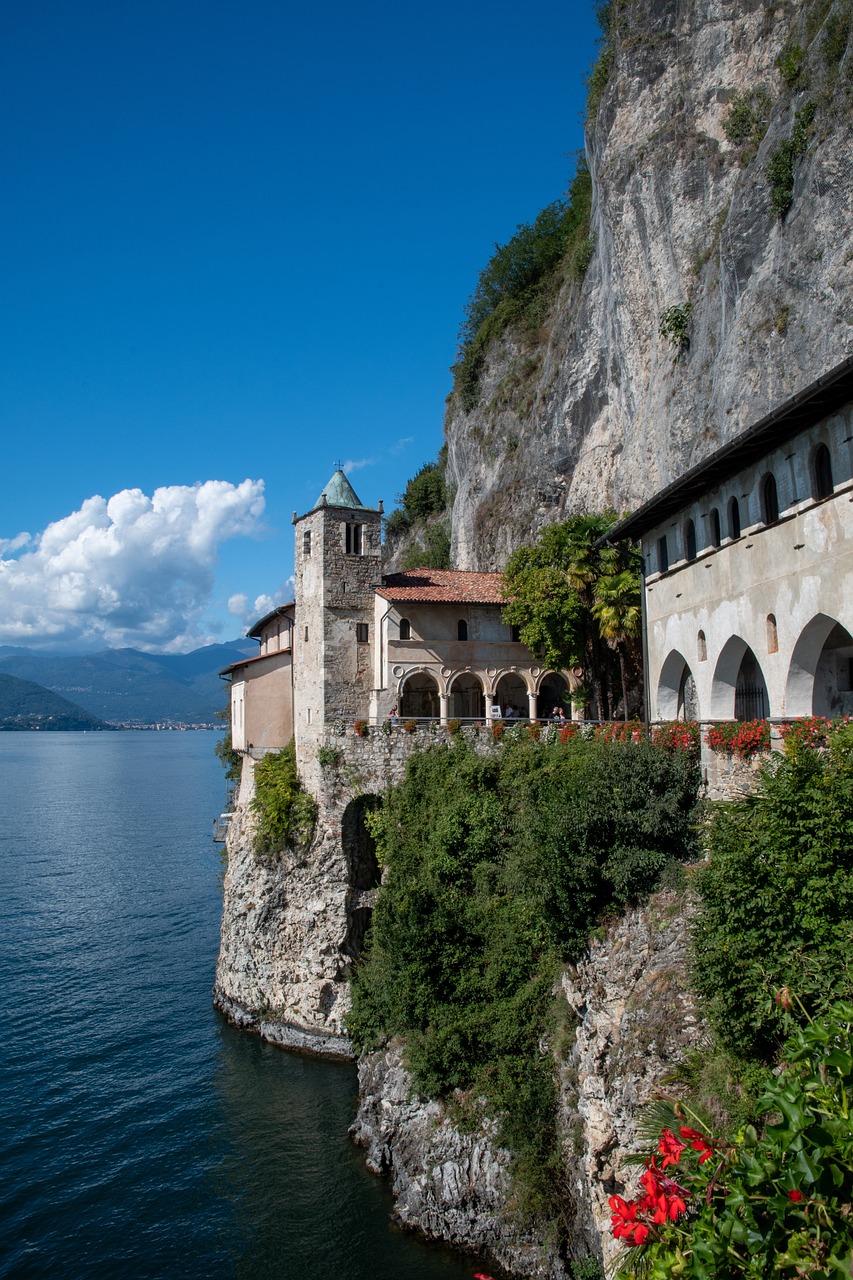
x=125, y=686
x=24, y=705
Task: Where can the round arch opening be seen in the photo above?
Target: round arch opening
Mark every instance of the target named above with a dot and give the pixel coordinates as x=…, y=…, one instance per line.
x=511, y=695
x=739, y=690
x=820, y=677
x=467, y=700
x=419, y=697
x=677, y=697
x=554, y=695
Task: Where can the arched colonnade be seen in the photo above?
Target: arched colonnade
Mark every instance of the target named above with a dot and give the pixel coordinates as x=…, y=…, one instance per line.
x=472, y=694
x=816, y=678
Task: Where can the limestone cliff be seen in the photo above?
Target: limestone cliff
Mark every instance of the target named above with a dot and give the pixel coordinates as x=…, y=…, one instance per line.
x=599, y=408
x=634, y=1021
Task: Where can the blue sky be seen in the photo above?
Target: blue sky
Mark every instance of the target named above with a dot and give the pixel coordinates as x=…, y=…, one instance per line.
x=238, y=242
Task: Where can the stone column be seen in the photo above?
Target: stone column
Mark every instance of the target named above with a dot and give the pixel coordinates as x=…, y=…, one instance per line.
x=533, y=706
x=442, y=707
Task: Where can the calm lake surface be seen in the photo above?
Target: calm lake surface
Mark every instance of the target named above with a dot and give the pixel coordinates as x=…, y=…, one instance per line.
x=140, y=1135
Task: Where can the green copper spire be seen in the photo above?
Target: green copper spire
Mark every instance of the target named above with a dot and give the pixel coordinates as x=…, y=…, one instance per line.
x=340, y=493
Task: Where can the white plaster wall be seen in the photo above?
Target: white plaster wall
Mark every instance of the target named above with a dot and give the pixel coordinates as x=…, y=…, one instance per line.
x=799, y=569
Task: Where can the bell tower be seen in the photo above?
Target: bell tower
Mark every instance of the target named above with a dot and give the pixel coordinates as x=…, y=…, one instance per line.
x=338, y=564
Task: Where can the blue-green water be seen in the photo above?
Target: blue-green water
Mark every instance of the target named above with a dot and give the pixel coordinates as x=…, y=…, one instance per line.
x=140, y=1136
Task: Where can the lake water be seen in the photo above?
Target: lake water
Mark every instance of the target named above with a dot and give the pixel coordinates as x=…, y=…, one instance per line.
x=140, y=1135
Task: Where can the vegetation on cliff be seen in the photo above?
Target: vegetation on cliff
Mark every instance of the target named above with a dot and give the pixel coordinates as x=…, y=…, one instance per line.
x=777, y=897
x=497, y=869
x=284, y=813
x=421, y=518
x=769, y=1194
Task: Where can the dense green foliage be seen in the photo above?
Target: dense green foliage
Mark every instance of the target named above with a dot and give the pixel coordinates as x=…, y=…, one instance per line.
x=777, y=896
x=578, y=605
x=421, y=505
x=781, y=166
x=284, y=813
x=747, y=118
x=521, y=276
x=497, y=869
x=773, y=1205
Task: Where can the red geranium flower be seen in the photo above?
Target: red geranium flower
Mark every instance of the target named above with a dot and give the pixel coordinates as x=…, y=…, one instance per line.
x=796, y=1196
x=698, y=1142
x=670, y=1148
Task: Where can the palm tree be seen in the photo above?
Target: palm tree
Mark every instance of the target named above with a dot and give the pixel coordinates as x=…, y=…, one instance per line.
x=616, y=609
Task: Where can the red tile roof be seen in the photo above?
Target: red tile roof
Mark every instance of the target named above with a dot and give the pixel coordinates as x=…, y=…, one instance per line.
x=443, y=586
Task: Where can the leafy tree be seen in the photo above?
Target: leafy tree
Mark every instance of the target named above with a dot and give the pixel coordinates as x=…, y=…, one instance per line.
x=552, y=589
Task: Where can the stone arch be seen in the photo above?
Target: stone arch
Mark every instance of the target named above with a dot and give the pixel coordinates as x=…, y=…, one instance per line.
x=466, y=697
x=677, y=698
x=819, y=680
x=739, y=690
x=511, y=691
x=418, y=696
x=554, y=691
x=363, y=871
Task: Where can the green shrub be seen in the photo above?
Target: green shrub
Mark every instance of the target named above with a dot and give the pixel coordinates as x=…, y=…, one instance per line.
x=774, y=1204
x=497, y=871
x=792, y=64
x=519, y=278
x=836, y=34
x=748, y=117
x=284, y=814
x=782, y=163
x=777, y=896
x=675, y=325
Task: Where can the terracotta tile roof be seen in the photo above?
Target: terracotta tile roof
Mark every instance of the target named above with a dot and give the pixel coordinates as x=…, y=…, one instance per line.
x=443, y=586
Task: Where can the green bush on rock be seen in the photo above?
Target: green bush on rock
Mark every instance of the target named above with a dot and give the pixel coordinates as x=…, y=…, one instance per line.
x=497, y=869
x=284, y=813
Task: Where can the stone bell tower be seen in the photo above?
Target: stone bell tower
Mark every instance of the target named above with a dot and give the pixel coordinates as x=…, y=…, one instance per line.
x=338, y=564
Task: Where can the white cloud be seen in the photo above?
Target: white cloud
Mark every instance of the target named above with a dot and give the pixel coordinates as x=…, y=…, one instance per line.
x=353, y=464
x=131, y=570
x=399, y=445
x=250, y=612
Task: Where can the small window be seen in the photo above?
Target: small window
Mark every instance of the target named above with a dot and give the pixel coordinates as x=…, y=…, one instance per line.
x=306, y=633
x=306, y=542
x=462, y=629
x=663, y=555
x=702, y=646
x=772, y=634
x=362, y=632
x=716, y=536
x=405, y=629
x=690, y=540
x=734, y=519
x=353, y=539
x=515, y=633
x=822, y=468
x=769, y=499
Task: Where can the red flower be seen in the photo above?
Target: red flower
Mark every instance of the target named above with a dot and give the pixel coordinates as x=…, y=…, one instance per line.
x=698, y=1142
x=670, y=1148
x=623, y=1217
x=796, y=1196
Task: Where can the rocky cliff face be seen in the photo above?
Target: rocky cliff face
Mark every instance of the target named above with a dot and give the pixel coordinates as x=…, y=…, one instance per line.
x=634, y=1021
x=599, y=408
x=281, y=968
